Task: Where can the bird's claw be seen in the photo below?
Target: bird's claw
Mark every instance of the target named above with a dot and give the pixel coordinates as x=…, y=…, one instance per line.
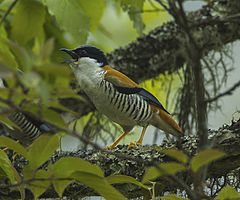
x=108, y=147
x=133, y=144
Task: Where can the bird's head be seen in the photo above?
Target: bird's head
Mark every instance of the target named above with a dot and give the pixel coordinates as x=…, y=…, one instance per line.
x=88, y=52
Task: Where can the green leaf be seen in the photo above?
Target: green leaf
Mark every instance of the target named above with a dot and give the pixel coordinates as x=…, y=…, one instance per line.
x=169, y=168
x=70, y=17
x=177, y=154
x=93, y=10
x=41, y=149
x=134, y=8
x=64, y=167
x=21, y=55
x=37, y=187
x=6, y=167
x=99, y=184
x=205, y=157
x=136, y=18
x=28, y=21
x=12, y=144
x=6, y=56
x=172, y=197
x=124, y=179
x=53, y=118
x=228, y=193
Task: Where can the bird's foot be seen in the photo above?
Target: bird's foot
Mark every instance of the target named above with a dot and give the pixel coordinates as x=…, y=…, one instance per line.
x=133, y=144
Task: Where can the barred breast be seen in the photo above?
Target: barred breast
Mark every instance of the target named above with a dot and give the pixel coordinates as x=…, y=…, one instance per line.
x=125, y=109
x=29, y=130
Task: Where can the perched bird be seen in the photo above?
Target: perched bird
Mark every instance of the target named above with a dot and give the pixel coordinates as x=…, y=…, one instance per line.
x=29, y=128
x=117, y=96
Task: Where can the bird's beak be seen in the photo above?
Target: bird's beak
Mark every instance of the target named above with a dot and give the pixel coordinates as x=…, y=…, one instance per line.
x=71, y=53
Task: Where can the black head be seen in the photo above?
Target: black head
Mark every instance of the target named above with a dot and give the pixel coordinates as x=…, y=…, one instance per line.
x=86, y=51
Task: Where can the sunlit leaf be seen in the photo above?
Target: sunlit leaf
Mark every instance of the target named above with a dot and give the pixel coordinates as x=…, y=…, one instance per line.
x=6, y=56
x=93, y=10
x=53, y=118
x=134, y=8
x=205, y=157
x=177, y=154
x=7, y=122
x=228, y=193
x=41, y=149
x=37, y=187
x=99, y=184
x=169, y=168
x=9, y=171
x=64, y=167
x=12, y=144
x=136, y=17
x=124, y=179
x=27, y=21
x=6, y=166
x=172, y=197
x=21, y=55
x=70, y=17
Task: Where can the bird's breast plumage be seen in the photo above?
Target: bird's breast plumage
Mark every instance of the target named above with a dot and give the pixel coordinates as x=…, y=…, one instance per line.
x=125, y=109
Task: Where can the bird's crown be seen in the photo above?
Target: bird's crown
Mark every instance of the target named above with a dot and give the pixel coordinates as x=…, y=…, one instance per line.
x=86, y=51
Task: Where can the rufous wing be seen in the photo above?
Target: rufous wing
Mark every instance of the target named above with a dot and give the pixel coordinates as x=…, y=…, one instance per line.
x=118, y=79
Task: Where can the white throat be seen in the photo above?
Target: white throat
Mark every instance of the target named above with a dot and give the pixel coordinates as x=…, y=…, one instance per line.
x=88, y=73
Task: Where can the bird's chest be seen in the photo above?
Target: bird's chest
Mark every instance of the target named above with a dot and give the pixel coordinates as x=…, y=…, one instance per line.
x=125, y=109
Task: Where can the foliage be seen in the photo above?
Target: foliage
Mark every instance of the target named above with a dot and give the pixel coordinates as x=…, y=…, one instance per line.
x=69, y=169
x=30, y=37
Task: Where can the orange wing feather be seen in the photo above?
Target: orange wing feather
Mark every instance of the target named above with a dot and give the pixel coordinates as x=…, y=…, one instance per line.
x=117, y=78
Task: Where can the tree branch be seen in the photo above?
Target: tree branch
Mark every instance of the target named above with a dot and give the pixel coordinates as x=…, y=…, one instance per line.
x=135, y=161
x=227, y=92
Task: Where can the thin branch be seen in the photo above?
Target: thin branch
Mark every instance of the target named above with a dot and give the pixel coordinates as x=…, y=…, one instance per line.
x=228, y=92
x=163, y=5
x=8, y=11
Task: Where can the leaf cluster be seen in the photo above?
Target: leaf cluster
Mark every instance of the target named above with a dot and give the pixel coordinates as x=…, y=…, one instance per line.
x=71, y=169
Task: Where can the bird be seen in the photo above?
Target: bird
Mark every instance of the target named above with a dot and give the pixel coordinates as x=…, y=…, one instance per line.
x=28, y=127
x=117, y=96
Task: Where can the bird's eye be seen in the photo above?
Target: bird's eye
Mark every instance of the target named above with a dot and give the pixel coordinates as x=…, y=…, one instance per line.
x=83, y=52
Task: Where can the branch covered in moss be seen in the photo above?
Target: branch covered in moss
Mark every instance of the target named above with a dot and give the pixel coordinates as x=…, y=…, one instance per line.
x=134, y=162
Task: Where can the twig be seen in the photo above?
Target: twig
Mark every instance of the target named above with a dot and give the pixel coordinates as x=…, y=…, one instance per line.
x=228, y=92
x=163, y=5
x=8, y=11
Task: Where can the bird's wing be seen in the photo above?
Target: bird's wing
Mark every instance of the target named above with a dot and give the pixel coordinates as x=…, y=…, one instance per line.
x=125, y=85
x=118, y=79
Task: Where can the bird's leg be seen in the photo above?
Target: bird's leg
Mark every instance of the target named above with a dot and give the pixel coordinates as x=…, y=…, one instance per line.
x=132, y=144
x=116, y=141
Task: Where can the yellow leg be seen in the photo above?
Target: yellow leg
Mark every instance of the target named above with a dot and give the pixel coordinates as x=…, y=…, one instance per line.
x=132, y=144
x=116, y=141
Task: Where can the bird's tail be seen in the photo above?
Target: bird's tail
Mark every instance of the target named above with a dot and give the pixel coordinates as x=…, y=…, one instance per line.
x=162, y=120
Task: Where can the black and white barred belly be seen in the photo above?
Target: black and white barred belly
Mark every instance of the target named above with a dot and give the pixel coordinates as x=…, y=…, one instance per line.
x=29, y=130
x=132, y=107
